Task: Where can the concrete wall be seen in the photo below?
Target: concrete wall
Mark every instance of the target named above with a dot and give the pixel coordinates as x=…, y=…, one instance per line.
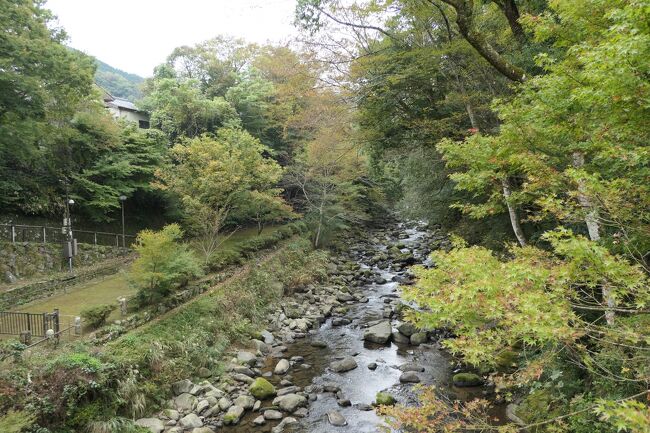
x=131, y=116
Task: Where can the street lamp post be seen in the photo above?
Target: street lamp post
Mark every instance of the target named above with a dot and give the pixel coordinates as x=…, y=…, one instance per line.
x=67, y=223
x=122, y=200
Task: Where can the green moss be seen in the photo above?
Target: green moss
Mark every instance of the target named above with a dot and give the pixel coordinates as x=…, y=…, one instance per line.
x=507, y=359
x=384, y=399
x=467, y=379
x=230, y=418
x=262, y=389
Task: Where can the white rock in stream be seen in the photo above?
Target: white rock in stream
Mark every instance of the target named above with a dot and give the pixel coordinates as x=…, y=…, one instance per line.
x=346, y=364
x=290, y=402
x=336, y=419
x=282, y=367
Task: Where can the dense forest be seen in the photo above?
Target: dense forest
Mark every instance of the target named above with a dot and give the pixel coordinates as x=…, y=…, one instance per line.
x=117, y=82
x=519, y=127
x=523, y=127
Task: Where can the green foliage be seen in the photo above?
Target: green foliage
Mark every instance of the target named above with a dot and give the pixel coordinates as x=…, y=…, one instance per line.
x=117, y=82
x=214, y=175
x=41, y=84
x=16, y=422
x=96, y=316
x=384, y=399
x=163, y=262
x=77, y=361
x=179, y=109
x=124, y=164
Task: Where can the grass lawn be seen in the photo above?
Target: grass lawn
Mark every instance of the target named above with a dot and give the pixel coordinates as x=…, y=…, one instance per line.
x=246, y=233
x=93, y=293
x=107, y=290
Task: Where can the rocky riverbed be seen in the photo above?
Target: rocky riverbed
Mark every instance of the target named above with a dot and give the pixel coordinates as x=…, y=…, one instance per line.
x=328, y=354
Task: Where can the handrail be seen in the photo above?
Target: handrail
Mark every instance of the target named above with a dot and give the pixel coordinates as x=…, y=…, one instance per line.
x=59, y=228
x=51, y=233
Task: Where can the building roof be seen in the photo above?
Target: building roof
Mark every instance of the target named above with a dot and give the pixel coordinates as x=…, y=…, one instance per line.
x=123, y=103
x=114, y=101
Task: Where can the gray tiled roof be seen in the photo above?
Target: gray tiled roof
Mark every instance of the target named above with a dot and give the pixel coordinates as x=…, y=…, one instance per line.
x=123, y=103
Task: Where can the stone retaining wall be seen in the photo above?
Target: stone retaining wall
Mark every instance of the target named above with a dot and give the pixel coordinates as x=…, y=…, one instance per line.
x=23, y=260
x=45, y=288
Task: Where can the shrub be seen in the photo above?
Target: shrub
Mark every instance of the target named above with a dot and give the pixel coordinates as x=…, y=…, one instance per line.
x=223, y=258
x=15, y=422
x=163, y=262
x=96, y=316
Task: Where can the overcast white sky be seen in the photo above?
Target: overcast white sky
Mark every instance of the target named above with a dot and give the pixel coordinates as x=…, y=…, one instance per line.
x=136, y=35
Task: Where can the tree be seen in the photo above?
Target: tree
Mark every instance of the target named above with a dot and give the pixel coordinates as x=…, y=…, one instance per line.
x=102, y=160
x=487, y=169
x=180, y=109
x=163, y=263
x=41, y=84
x=263, y=207
x=214, y=175
x=330, y=171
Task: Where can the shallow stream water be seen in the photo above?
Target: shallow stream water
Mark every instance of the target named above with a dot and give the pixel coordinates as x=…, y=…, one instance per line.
x=361, y=384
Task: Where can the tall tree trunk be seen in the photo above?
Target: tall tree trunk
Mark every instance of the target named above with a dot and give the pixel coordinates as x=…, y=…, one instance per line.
x=511, y=12
x=512, y=211
x=468, y=105
x=593, y=227
x=465, y=20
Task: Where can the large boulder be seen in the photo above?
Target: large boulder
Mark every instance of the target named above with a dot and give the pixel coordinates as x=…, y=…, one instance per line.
x=290, y=402
x=271, y=414
x=262, y=389
x=411, y=366
x=346, y=364
x=280, y=428
x=185, y=402
x=245, y=401
x=419, y=338
x=153, y=424
x=400, y=338
x=409, y=377
x=185, y=386
x=407, y=328
x=247, y=358
x=379, y=333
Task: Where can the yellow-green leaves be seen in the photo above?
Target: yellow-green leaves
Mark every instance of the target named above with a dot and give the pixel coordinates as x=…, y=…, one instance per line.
x=163, y=262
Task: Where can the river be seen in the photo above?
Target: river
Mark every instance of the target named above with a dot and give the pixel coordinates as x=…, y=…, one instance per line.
x=361, y=384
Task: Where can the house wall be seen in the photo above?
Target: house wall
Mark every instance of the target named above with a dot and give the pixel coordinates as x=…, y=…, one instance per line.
x=131, y=116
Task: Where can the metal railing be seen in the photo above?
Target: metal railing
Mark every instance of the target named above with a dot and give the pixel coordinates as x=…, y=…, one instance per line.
x=44, y=234
x=37, y=324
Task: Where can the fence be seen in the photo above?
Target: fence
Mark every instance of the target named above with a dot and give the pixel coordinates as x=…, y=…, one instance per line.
x=37, y=324
x=43, y=234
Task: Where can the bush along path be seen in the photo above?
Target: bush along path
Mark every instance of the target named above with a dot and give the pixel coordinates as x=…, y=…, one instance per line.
x=329, y=353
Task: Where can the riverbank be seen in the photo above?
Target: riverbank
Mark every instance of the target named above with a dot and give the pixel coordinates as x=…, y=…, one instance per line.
x=327, y=353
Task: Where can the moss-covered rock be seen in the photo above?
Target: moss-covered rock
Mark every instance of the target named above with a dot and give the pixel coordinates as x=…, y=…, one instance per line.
x=384, y=399
x=467, y=379
x=506, y=359
x=262, y=389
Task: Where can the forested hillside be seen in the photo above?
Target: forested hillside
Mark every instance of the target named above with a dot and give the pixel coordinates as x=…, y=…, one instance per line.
x=117, y=82
x=505, y=140
x=521, y=126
